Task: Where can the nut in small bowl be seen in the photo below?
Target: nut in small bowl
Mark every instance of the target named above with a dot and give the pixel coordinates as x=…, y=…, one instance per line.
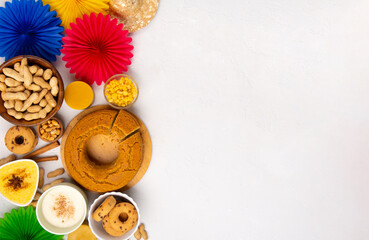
x=121, y=91
x=51, y=130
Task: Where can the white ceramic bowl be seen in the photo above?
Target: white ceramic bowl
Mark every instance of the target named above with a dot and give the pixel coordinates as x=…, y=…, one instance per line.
x=51, y=228
x=97, y=227
x=34, y=192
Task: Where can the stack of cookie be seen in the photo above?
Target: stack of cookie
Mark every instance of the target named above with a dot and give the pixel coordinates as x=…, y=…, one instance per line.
x=117, y=218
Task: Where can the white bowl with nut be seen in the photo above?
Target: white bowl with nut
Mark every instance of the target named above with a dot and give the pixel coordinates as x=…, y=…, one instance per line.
x=32, y=90
x=51, y=130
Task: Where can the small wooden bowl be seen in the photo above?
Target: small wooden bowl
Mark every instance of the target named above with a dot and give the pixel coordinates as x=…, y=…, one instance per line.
x=32, y=60
x=56, y=139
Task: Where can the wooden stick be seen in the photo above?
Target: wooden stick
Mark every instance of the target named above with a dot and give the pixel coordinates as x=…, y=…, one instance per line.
x=46, y=159
x=42, y=150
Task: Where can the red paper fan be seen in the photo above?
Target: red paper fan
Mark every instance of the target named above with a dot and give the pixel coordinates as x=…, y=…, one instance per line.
x=96, y=48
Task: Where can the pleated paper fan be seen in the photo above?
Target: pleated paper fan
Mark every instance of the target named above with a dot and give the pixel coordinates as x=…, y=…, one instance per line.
x=70, y=10
x=96, y=48
x=22, y=224
x=29, y=28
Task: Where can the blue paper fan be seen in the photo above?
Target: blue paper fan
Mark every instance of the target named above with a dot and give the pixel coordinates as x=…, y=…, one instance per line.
x=29, y=28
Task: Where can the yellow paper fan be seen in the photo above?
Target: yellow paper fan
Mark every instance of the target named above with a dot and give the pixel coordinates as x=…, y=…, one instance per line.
x=69, y=10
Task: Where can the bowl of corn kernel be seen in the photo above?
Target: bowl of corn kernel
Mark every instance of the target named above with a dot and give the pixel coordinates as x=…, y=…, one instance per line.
x=121, y=91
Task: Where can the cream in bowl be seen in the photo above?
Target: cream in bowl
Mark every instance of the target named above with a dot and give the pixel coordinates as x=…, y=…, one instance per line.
x=62, y=209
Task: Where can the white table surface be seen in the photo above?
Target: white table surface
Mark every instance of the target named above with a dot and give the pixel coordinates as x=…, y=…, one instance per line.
x=259, y=116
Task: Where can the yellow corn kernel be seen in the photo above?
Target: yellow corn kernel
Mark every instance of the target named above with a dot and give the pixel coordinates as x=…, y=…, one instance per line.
x=121, y=91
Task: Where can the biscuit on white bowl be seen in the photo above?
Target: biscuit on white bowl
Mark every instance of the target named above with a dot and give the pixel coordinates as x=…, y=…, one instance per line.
x=97, y=227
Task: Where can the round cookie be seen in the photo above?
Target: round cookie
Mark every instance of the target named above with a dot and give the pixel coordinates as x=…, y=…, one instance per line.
x=20, y=140
x=123, y=217
x=104, y=209
x=109, y=229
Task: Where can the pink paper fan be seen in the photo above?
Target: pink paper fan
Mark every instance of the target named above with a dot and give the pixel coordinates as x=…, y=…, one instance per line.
x=96, y=48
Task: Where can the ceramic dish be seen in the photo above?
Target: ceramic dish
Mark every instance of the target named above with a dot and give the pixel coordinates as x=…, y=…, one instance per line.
x=97, y=228
x=32, y=60
x=6, y=170
x=118, y=76
x=80, y=197
x=58, y=137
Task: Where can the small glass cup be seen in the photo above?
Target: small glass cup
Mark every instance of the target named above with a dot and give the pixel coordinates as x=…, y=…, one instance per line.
x=118, y=76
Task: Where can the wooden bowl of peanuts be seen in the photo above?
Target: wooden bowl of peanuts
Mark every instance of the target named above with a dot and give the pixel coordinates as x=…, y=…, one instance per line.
x=32, y=90
x=51, y=130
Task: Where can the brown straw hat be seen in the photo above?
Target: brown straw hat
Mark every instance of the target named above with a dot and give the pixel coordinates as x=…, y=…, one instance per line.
x=134, y=14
